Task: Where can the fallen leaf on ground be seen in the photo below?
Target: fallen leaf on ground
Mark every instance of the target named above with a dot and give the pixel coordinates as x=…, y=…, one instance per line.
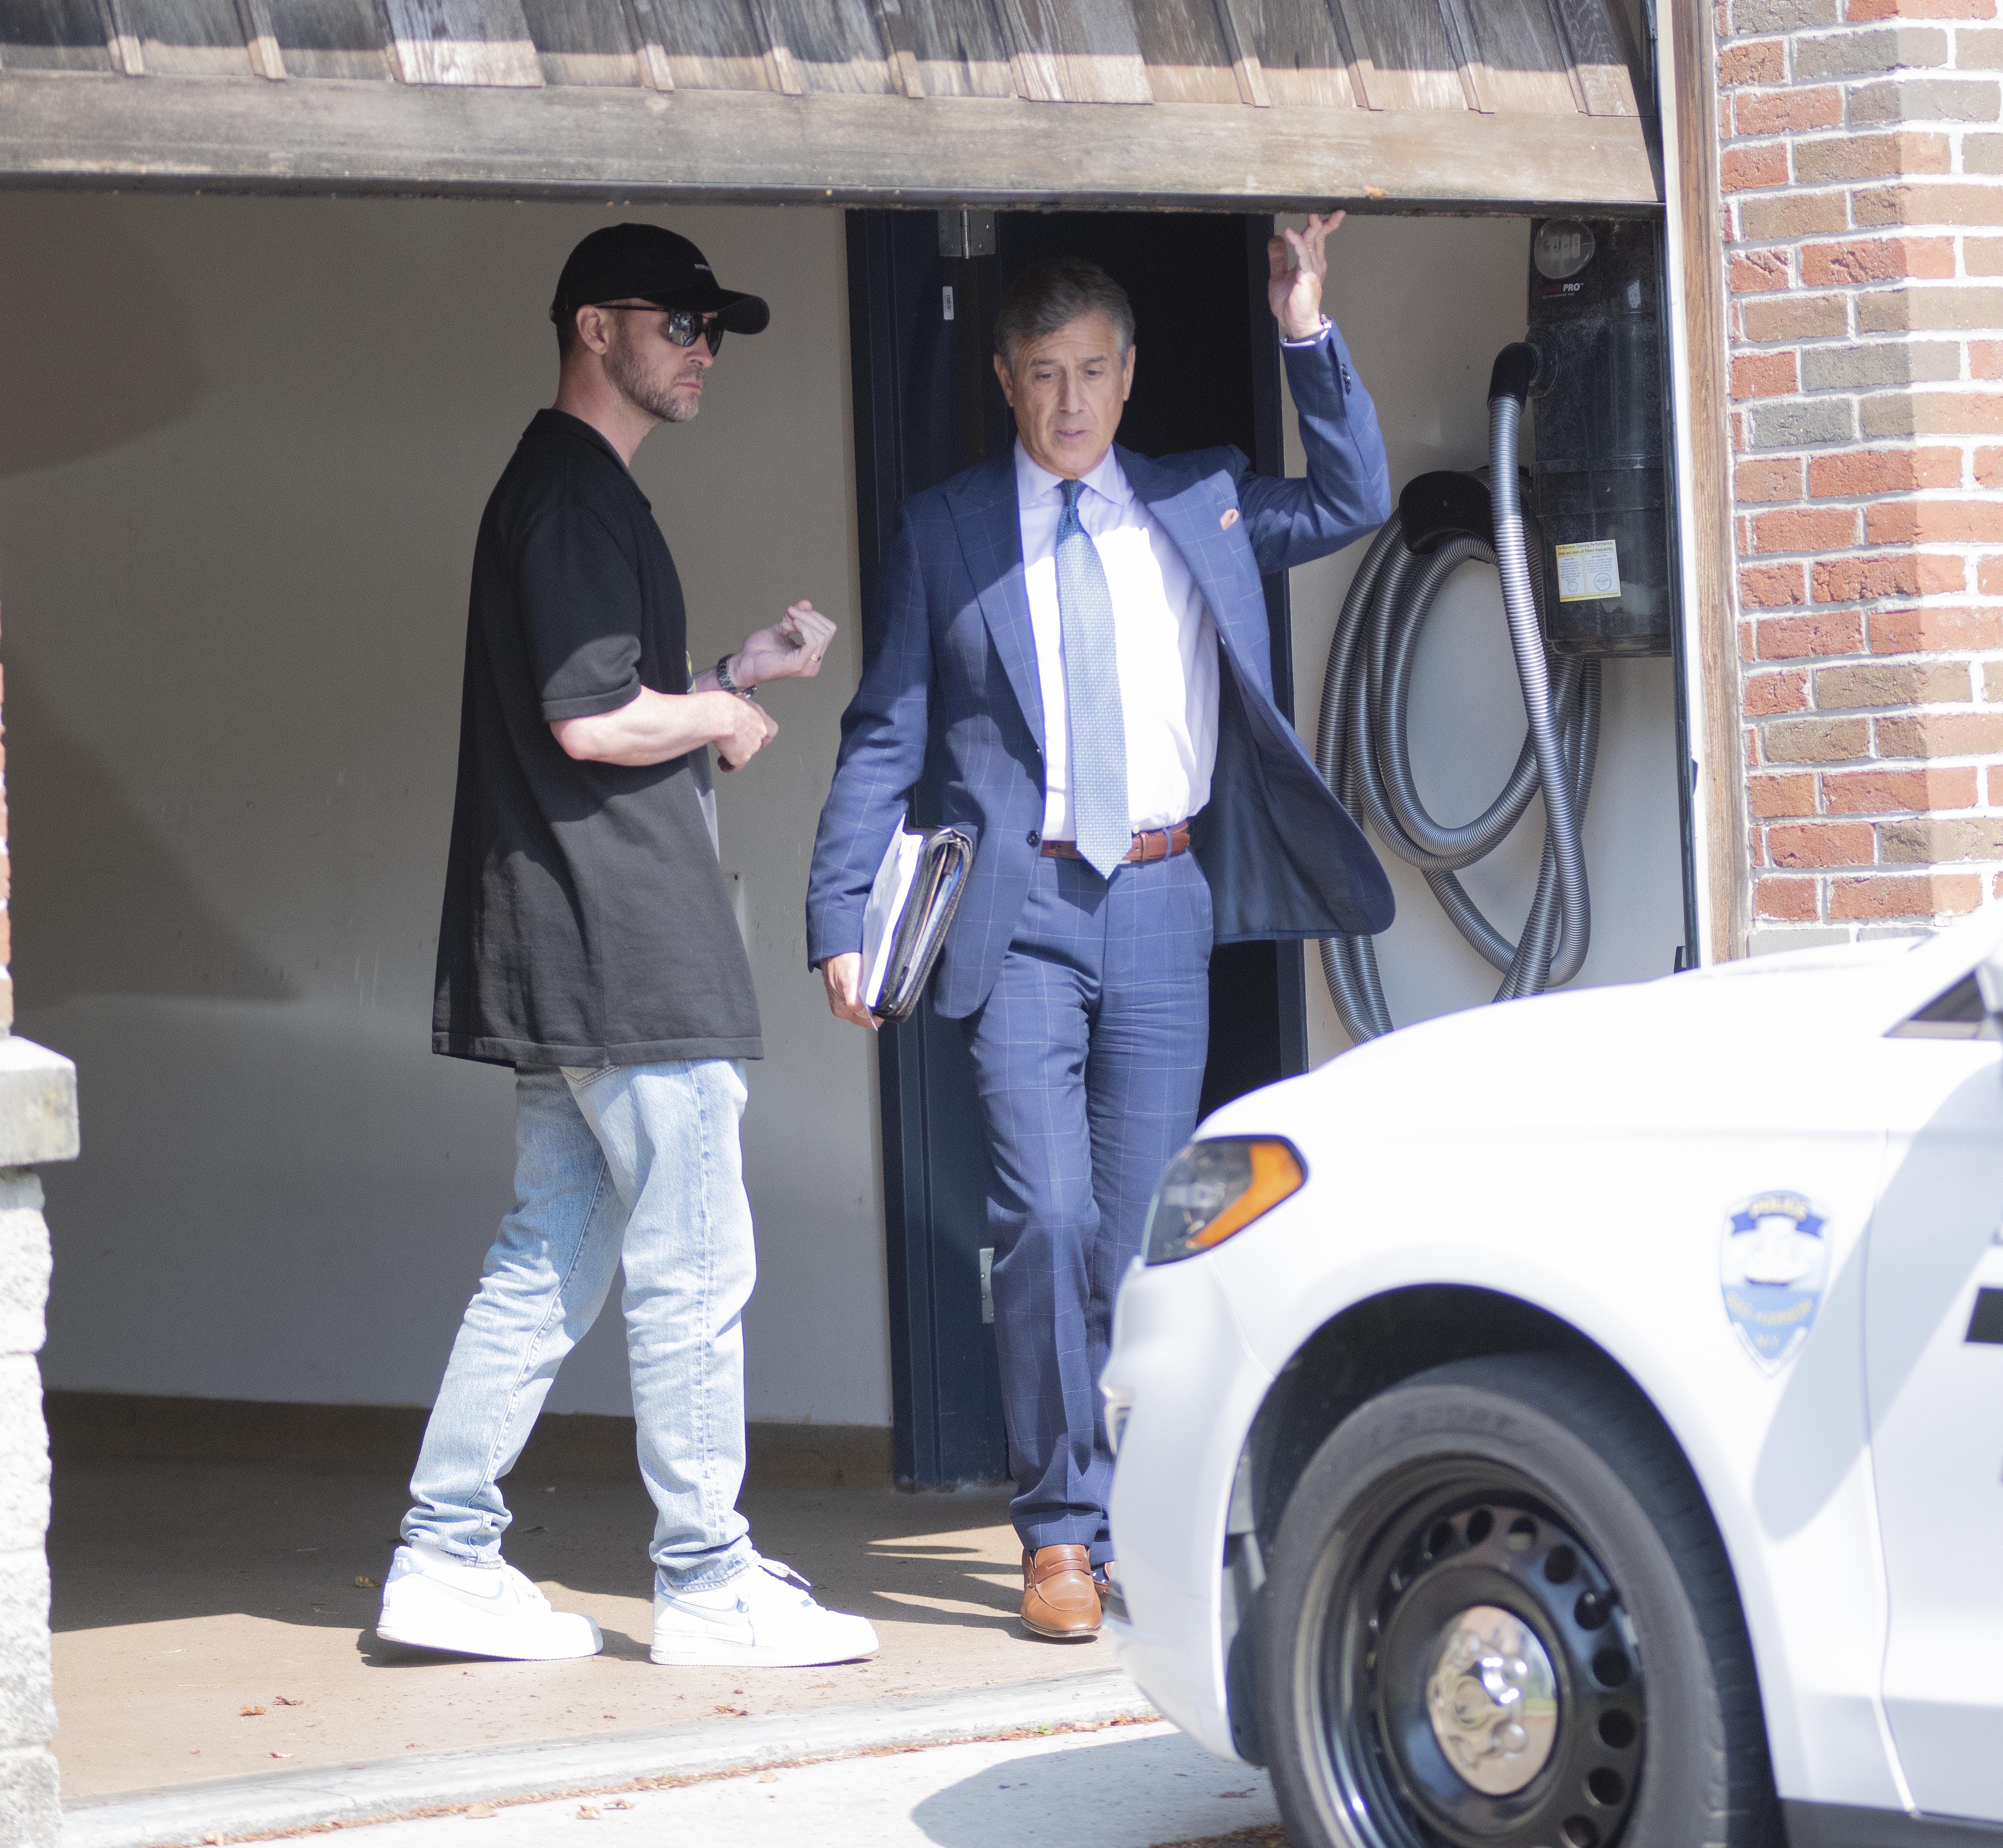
x=586, y=1814
x=480, y=1812
x=1234, y=1792
x=281, y=1755
x=280, y=1700
x=736, y=1712
x=1375, y=192
x=249, y=1713
x=364, y=1583
x=773, y=1778
x=619, y=1803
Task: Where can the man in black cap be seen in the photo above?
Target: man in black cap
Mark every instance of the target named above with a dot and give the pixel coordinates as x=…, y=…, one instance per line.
x=588, y=940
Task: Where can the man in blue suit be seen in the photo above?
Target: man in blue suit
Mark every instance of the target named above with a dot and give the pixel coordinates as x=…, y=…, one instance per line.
x=1082, y=632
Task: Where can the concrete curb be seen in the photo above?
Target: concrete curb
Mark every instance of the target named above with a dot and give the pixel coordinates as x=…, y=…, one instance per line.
x=233, y=1808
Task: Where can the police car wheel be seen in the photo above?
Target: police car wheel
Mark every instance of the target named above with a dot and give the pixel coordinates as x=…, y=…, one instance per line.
x=1498, y=1615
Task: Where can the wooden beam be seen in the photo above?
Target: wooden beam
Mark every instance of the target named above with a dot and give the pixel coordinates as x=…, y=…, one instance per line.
x=1562, y=27
x=1475, y=81
x=1362, y=69
x=1087, y=52
x=261, y=39
x=778, y=53
x=1245, y=65
x=121, y=40
x=900, y=48
x=483, y=43
x=348, y=136
x=646, y=27
x=1034, y=70
x=1711, y=627
x=1604, y=68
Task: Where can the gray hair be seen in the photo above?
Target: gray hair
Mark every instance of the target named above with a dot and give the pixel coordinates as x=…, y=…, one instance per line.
x=1053, y=294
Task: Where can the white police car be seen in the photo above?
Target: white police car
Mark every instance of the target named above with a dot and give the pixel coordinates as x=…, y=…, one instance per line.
x=1579, y=1422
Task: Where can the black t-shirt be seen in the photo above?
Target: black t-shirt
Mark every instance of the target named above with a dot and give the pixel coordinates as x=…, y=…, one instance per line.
x=585, y=918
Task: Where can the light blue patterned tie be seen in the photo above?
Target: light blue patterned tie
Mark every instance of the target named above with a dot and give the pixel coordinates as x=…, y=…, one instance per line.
x=1092, y=693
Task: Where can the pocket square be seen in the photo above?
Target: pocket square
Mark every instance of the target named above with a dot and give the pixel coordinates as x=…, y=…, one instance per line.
x=1229, y=519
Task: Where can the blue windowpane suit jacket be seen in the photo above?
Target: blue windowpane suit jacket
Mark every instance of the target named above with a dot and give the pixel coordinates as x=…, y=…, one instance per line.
x=952, y=654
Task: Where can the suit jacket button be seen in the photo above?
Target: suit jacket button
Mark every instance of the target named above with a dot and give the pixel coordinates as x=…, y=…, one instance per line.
x=1036, y=840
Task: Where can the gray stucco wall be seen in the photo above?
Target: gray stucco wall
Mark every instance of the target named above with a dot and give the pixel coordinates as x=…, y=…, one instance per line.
x=235, y=525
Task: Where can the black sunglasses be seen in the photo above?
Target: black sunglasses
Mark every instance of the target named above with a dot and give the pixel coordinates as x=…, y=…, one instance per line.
x=684, y=326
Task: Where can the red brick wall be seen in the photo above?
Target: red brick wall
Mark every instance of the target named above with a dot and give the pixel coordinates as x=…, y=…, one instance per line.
x=6, y=891
x=1862, y=168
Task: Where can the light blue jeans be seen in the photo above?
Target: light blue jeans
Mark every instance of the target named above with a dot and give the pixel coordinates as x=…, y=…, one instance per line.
x=633, y=1163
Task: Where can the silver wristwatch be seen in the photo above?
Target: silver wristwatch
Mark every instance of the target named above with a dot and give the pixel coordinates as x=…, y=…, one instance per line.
x=724, y=680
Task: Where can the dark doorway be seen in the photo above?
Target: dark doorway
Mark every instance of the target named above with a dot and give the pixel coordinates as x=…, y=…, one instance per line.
x=927, y=406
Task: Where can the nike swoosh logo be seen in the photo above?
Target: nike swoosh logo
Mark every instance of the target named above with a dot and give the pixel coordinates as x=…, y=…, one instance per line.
x=735, y=1625
x=478, y=1601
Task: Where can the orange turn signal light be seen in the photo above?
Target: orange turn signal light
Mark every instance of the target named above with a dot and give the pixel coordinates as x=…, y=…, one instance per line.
x=1276, y=1172
x=1216, y=1187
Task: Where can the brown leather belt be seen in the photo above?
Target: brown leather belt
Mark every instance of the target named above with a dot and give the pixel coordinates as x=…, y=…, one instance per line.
x=1149, y=844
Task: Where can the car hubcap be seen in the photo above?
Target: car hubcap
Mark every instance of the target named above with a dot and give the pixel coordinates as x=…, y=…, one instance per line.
x=1481, y=1686
x=1492, y=1699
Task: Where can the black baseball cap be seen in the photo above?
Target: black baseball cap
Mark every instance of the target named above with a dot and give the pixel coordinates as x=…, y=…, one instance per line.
x=657, y=266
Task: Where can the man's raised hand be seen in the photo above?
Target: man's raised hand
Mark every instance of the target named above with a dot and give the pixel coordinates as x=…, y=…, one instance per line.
x=791, y=649
x=1296, y=261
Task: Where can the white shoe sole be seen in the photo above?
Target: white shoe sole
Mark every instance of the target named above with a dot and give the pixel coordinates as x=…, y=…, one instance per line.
x=708, y=1652
x=464, y=1633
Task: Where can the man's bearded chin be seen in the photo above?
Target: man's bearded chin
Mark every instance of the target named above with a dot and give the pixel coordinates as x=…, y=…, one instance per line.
x=658, y=399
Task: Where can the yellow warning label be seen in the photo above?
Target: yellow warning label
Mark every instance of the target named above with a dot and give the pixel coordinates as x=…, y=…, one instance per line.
x=1589, y=573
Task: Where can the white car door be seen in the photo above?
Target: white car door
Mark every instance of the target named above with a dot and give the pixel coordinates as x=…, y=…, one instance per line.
x=1934, y=1383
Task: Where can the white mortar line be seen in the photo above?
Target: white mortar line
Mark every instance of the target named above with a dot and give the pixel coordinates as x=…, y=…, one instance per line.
x=233, y=1808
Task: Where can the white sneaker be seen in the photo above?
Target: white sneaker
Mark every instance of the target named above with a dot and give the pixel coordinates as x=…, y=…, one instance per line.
x=432, y=1600
x=761, y=1618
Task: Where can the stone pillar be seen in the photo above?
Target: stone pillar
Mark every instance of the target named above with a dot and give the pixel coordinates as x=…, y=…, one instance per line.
x=37, y=1124
x=28, y=1813
x=1863, y=176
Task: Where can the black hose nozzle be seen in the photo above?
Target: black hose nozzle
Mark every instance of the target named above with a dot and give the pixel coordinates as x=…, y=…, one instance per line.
x=1516, y=368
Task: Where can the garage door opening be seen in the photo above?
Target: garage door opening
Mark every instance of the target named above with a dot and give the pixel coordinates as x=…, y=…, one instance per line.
x=234, y=548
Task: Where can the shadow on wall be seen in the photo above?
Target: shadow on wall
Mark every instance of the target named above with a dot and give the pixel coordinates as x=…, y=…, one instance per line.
x=139, y=372
x=76, y=835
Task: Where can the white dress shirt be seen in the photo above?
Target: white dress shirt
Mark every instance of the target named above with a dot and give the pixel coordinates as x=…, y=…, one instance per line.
x=1165, y=641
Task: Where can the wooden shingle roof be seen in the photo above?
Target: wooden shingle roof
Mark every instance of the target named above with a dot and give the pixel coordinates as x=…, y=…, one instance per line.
x=1460, y=104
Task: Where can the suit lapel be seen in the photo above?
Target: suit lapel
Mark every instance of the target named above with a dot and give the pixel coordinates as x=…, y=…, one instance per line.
x=1191, y=510
x=985, y=514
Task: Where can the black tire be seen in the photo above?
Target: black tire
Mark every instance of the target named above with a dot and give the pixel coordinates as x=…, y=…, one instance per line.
x=1539, y=1486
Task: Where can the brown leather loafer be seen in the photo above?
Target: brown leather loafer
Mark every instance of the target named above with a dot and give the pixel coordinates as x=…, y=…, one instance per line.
x=1060, y=1601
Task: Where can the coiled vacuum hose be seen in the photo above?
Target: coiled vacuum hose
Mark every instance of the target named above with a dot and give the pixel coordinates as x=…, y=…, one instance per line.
x=1362, y=747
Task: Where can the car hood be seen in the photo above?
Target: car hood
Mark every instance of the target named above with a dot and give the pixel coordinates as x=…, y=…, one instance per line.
x=1668, y=1053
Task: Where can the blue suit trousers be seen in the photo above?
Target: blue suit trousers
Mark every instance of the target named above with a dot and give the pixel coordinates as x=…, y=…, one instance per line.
x=1088, y=1055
